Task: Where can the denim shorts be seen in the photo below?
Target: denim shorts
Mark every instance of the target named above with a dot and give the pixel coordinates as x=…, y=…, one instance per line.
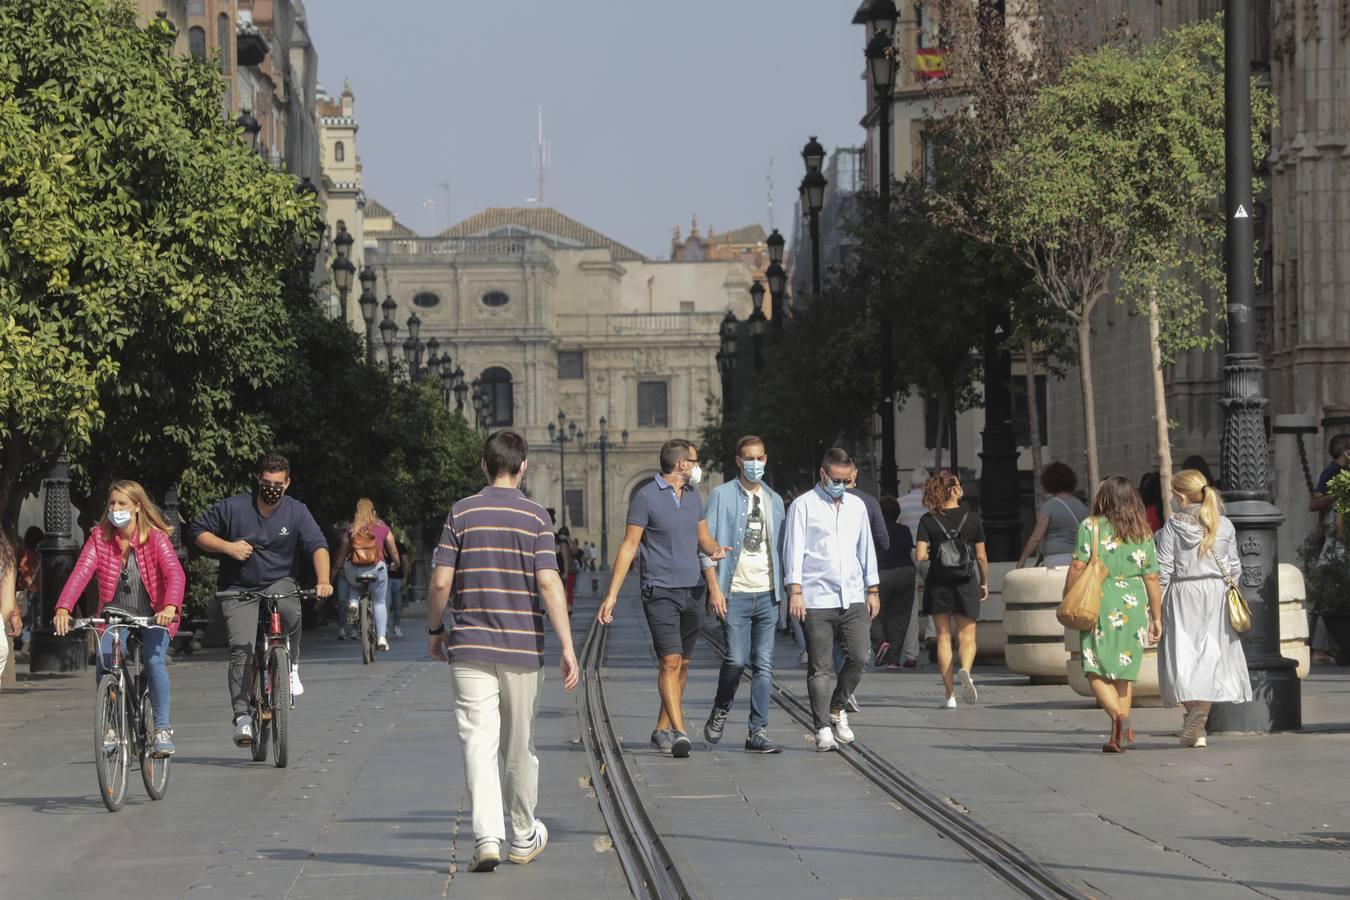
x=675, y=616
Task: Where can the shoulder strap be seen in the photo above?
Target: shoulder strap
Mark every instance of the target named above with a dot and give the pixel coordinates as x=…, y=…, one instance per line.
x=1076, y=520
x=1223, y=573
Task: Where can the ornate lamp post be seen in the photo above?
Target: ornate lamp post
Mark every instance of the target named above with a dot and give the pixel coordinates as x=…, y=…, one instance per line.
x=603, y=444
x=561, y=434
x=776, y=276
x=813, y=190
x=343, y=268
x=369, y=304
x=881, y=71
x=482, y=404
x=389, y=328
x=412, y=347
x=726, y=366
x=1277, y=701
x=461, y=389
x=50, y=653
x=249, y=124
x=757, y=323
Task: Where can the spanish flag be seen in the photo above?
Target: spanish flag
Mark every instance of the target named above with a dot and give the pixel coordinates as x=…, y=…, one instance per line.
x=932, y=62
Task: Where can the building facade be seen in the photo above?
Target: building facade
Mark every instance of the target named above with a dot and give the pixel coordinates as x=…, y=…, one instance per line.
x=342, y=187
x=554, y=317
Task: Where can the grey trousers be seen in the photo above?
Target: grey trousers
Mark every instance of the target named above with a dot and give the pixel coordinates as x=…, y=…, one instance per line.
x=851, y=626
x=241, y=621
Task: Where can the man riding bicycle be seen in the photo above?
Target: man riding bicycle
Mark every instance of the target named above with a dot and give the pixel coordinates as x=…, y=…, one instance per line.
x=258, y=538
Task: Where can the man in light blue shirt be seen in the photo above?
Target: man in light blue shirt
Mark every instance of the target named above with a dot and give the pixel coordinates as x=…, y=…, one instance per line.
x=830, y=569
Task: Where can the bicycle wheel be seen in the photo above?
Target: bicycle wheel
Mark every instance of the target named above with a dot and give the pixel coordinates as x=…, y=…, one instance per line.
x=261, y=710
x=111, y=741
x=154, y=771
x=367, y=632
x=279, y=665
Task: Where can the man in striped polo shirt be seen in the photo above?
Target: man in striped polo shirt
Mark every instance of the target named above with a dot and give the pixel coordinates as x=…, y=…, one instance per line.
x=495, y=558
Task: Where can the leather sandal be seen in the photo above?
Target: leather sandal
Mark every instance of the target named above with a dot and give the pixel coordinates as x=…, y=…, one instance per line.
x=1113, y=745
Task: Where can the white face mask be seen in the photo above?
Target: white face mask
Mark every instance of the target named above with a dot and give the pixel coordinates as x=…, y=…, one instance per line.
x=695, y=475
x=120, y=517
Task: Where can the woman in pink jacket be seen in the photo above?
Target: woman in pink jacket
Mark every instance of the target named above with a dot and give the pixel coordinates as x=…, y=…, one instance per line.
x=139, y=573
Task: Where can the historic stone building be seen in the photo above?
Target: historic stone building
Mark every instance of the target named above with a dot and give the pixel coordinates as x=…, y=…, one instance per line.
x=556, y=317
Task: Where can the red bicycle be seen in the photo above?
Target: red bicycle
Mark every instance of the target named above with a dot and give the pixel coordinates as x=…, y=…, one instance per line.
x=270, y=700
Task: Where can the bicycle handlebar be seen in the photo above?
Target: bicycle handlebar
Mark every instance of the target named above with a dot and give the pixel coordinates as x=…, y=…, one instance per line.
x=259, y=595
x=116, y=622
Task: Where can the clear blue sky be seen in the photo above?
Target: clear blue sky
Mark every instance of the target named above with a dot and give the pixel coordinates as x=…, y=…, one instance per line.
x=655, y=111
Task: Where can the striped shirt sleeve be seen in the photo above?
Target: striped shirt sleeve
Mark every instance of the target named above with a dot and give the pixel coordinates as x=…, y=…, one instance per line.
x=545, y=549
x=447, y=549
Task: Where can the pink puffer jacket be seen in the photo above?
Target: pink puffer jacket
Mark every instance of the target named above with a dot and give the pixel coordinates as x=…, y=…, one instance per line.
x=161, y=572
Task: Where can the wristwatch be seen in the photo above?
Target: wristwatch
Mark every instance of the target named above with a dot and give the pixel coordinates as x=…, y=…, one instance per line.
x=435, y=631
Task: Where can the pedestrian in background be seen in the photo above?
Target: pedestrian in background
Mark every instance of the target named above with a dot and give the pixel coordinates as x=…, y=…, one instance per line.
x=28, y=587
x=1198, y=464
x=367, y=548
x=830, y=568
x=496, y=553
x=11, y=620
x=666, y=522
x=1200, y=659
x=1058, y=520
x=911, y=511
x=1150, y=494
x=955, y=580
x=1113, y=649
x=895, y=567
x=746, y=589
x=398, y=573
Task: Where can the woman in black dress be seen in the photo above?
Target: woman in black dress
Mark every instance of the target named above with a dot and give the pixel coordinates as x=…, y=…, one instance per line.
x=955, y=580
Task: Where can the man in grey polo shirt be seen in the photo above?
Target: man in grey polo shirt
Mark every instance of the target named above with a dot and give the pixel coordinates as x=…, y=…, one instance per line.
x=665, y=521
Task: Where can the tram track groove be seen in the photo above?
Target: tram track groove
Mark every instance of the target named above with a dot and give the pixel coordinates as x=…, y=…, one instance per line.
x=646, y=861
x=1005, y=860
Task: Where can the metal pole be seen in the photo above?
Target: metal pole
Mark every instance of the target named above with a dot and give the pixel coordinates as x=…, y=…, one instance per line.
x=562, y=477
x=815, y=258
x=889, y=477
x=1277, y=703
x=342, y=302
x=604, y=502
x=50, y=653
x=370, y=342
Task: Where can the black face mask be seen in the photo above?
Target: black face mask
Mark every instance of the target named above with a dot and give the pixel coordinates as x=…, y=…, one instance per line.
x=270, y=493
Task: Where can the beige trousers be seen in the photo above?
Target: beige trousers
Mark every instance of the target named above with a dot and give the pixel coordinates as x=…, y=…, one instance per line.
x=495, y=706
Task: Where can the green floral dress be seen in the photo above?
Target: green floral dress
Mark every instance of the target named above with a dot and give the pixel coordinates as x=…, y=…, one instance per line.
x=1115, y=647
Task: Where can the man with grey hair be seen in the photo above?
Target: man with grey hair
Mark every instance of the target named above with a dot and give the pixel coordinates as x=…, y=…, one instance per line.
x=911, y=510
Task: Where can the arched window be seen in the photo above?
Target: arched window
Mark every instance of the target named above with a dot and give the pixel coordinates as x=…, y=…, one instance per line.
x=495, y=298
x=223, y=34
x=197, y=42
x=426, y=299
x=497, y=382
x=339, y=152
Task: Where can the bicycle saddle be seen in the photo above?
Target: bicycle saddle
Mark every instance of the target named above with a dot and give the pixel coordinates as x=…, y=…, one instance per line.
x=366, y=578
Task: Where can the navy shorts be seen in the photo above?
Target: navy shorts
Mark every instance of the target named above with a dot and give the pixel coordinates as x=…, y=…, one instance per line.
x=675, y=617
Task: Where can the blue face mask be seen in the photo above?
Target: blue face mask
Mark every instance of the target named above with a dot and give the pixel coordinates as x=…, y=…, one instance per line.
x=752, y=469
x=120, y=517
x=835, y=489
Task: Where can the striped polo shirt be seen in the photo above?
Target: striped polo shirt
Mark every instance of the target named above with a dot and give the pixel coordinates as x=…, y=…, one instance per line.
x=496, y=541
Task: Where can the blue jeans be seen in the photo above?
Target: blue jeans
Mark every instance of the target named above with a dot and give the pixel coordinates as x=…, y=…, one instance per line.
x=396, y=602
x=748, y=630
x=154, y=646
x=379, y=591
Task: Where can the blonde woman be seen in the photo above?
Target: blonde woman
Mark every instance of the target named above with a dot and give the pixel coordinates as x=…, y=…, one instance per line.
x=1200, y=660
x=367, y=547
x=138, y=572
x=952, y=593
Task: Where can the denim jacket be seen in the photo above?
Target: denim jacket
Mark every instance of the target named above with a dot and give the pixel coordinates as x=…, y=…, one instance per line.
x=727, y=509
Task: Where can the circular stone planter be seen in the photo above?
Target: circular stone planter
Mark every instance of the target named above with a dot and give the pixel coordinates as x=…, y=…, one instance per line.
x=1036, y=642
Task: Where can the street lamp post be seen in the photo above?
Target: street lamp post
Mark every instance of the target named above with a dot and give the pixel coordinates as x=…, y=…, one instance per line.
x=461, y=388
x=369, y=304
x=343, y=268
x=603, y=444
x=726, y=366
x=249, y=123
x=813, y=189
x=561, y=434
x=756, y=322
x=412, y=348
x=881, y=70
x=1277, y=701
x=388, y=327
x=776, y=276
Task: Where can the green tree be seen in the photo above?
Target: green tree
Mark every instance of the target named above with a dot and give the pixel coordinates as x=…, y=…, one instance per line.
x=1112, y=173
x=142, y=254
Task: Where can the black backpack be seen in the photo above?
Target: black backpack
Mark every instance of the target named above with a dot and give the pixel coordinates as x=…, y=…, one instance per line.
x=953, y=562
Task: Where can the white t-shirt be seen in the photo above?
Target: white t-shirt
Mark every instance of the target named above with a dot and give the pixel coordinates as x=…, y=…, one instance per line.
x=752, y=569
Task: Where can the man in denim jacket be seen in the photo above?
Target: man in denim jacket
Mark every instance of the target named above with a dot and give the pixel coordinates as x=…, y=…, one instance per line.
x=745, y=589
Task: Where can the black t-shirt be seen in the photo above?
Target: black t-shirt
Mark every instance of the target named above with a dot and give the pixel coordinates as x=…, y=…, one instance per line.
x=897, y=555
x=930, y=529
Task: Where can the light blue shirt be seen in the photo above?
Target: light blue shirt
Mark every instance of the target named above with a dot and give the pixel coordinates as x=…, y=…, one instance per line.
x=828, y=550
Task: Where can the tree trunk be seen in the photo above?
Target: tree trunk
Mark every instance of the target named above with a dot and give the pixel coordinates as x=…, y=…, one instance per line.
x=940, y=432
x=1034, y=423
x=1089, y=404
x=1160, y=407
x=953, y=457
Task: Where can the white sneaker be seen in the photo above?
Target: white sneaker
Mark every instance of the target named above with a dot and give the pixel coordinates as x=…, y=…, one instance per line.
x=968, y=692
x=296, y=687
x=1201, y=741
x=487, y=855
x=825, y=740
x=841, y=729
x=381, y=644
x=243, y=731
x=802, y=658
x=522, y=853
x=949, y=703
x=398, y=631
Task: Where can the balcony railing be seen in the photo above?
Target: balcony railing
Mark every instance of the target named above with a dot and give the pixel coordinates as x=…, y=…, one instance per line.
x=698, y=323
x=444, y=246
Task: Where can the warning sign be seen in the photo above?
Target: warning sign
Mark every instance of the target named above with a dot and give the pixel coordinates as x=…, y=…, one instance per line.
x=1241, y=212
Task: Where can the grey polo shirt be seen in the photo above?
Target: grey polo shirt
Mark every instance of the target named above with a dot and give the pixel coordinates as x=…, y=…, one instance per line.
x=668, y=556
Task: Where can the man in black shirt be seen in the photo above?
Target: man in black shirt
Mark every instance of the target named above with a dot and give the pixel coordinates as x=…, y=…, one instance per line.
x=258, y=538
x=896, y=568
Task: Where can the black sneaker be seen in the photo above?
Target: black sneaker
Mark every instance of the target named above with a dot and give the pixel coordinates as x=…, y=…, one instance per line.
x=681, y=746
x=662, y=740
x=759, y=742
x=717, y=722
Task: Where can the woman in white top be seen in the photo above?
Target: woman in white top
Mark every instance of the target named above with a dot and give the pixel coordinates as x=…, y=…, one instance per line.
x=1200, y=658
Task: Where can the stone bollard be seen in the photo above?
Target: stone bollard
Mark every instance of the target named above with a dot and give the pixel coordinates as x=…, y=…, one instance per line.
x=1036, y=640
x=1294, y=618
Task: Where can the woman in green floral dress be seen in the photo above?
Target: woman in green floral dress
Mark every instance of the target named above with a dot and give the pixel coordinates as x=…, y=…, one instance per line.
x=1113, y=650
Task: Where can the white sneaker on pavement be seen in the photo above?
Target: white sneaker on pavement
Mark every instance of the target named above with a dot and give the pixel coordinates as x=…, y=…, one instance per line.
x=487, y=855
x=825, y=740
x=802, y=658
x=532, y=846
x=243, y=731
x=381, y=644
x=949, y=703
x=398, y=631
x=841, y=729
x=296, y=687
x=968, y=692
